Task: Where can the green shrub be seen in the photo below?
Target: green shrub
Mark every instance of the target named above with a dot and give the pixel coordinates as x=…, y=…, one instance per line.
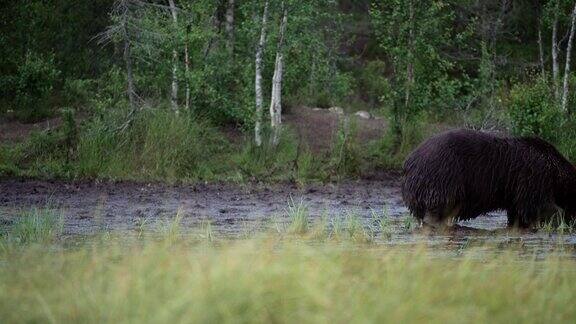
x=267, y=162
x=345, y=156
x=566, y=139
x=32, y=87
x=79, y=91
x=309, y=167
x=8, y=161
x=374, y=83
x=533, y=110
x=397, y=143
x=157, y=145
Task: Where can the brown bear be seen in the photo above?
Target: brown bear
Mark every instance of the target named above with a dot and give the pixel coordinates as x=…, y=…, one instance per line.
x=461, y=174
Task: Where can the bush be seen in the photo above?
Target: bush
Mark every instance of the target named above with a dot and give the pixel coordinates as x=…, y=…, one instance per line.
x=345, y=156
x=566, y=140
x=79, y=91
x=392, y=150
x=157, y=145
x=375, y=85
x=266, y=161
x=32, y=87
x=533, y=110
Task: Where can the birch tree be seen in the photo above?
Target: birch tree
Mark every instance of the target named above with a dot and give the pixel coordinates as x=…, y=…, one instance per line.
x=540, y=42
x=567, y=63
x=555, y=64
x=187, y=65
x=276, y=96
x=415, y=54
x=258, y=78
x=410, y=53
x=230, y=25
x=174, y=92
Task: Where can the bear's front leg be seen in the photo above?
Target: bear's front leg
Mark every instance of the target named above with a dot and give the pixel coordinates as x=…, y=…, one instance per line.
x=518, y=219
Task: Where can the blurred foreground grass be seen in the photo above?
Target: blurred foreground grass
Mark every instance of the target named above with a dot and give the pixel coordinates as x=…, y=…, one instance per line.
x=271, y=280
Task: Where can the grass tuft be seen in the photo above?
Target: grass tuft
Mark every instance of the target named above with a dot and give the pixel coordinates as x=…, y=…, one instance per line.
x=558, y=224
x=172, y=230
x=298, y=217
x=36, y=226
x=381, y=224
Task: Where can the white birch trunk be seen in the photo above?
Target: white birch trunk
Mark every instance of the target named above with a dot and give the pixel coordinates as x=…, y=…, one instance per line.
x=410, y=66
x=174, y=92
x=555, y=67
x=541, y=47
x=230, y=24
x=567, y=66
x=276, y=96
x=187, y=68
x=258, y=79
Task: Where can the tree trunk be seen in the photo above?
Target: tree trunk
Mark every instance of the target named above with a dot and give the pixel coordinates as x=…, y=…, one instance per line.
x=129, y=76
x=131, y=89
x=498, y=26
x=258, y=79
x=276, y=98
x=174, y=93
x=541, y=47
x=567, y=66
x=187, y=67
x=230, y=25
x=555, y=67
x=215, y=26
x=410, y=65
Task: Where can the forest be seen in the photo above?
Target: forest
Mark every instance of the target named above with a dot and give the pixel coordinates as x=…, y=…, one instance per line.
x=223, y=90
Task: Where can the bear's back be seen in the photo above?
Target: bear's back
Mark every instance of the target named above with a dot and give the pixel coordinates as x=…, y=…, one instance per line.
x=459, y=148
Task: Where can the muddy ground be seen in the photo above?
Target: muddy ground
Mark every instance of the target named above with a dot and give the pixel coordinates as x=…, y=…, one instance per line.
x=233, y=210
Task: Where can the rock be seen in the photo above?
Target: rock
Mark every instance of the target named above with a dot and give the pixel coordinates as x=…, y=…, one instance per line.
x=336, y=110
x=363, y=114
x=317, y=109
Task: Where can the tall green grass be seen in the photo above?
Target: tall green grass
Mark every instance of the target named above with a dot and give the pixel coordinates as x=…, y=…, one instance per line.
x=264, y=281
x=318, y=273
x=162, y=146
x=35, y=226
x=158, y=145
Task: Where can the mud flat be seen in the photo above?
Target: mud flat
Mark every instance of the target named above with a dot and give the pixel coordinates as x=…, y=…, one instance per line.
x=92, y=207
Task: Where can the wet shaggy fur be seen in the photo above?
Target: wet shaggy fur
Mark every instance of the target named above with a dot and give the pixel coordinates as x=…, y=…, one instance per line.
x=461, y=174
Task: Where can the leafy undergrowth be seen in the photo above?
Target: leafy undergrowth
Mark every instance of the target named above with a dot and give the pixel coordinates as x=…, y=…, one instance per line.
x=277, y=277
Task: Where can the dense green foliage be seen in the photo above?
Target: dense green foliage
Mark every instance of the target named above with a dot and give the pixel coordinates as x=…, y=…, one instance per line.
x=422, y=65
x=533, y=111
